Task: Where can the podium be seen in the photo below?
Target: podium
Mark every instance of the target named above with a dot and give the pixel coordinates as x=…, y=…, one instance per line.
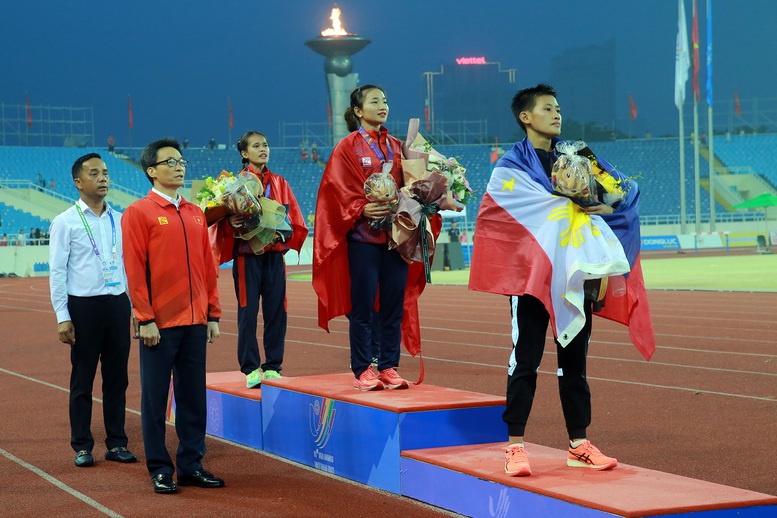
x=445, y=447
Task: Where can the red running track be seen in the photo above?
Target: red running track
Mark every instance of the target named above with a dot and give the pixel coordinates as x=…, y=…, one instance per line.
x=705, y=406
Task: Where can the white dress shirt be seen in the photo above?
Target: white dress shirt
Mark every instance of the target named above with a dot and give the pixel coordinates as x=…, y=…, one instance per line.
x=75, y=269
x=175, y=201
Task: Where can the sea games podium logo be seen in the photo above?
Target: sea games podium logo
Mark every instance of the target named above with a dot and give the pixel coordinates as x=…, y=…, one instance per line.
x=322, y=420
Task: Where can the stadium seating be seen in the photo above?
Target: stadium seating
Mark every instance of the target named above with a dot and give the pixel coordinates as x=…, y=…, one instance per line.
x=753, y=151
x=14, y=220
x=652, y=163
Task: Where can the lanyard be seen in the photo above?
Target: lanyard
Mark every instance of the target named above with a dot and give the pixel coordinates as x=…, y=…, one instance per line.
x=376, y=148
x=260, y=176
x=91, y=236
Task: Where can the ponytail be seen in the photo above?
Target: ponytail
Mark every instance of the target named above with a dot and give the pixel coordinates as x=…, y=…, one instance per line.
x=351, y=120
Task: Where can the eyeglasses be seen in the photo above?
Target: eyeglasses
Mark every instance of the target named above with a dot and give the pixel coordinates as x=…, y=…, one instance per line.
x=172, y=162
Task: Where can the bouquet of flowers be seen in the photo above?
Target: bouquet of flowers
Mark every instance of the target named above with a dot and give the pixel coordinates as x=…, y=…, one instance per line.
x=226, y=195
x=433, y=182
x=417, y=148
x=616, y=185
x=577, y=175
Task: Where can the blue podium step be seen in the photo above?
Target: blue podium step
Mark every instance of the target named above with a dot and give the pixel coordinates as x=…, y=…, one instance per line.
x=470, y=480
x=445, y=447
x=321, y=421
x=234, y=411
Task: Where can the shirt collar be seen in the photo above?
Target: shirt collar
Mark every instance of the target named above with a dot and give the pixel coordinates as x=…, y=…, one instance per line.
x=174, y=201
x=84, y=207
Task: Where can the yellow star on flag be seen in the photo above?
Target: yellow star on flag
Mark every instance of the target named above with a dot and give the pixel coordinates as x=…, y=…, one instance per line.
x=509, y=184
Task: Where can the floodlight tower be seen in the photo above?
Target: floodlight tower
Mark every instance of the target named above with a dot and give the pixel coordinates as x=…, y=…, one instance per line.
x=338, y=46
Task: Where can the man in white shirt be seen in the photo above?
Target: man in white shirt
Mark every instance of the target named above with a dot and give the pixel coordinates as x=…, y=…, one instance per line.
x=89, y=294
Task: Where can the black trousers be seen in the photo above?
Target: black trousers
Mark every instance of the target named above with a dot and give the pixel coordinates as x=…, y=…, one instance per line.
x=102, y=328
x=182, y=352
x=530, y=325
x=378, y=272
x=260, y=277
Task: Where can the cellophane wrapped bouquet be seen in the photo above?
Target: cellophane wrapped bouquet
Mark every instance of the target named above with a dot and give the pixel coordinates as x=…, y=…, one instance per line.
x=433, y=182
x=577, y=175
x=228, y=195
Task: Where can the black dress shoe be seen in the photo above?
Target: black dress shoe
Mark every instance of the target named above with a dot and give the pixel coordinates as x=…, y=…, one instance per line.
x=163, y=483
x=200, y=478
x=84, y=458
x=120, y=454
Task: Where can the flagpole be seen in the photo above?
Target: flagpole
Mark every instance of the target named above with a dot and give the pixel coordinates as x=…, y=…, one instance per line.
x=682, y=65
x=710, y=149
x=711, y=162
x=696, y=178
x=682, y=171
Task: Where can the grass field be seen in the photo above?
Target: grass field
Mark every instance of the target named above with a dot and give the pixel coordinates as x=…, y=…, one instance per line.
x=718, y=273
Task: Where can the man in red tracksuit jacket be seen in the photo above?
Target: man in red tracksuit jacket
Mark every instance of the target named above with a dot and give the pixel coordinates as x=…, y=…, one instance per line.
x=172, y=282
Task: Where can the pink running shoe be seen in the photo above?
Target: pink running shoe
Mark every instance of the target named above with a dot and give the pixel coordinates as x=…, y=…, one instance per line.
x=367, y=381
x=392, y=380
x=588, y=456
x=516, y=463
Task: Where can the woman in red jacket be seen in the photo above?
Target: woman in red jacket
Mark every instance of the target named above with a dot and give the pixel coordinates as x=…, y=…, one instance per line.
x=261, y=275
x=352, y=264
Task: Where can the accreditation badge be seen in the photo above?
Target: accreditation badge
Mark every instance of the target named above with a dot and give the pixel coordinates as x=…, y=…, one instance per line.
x=111, y=275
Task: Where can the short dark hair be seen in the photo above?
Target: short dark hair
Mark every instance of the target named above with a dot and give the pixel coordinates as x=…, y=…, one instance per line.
x=357, y=101
x=525, y=100
x=78, y=165
x=148, y=157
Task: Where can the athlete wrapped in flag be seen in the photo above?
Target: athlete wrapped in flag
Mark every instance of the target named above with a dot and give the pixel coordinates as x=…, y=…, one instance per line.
x=539, y=248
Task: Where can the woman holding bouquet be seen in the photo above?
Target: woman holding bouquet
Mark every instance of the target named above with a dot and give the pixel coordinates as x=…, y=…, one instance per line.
x=352, y=264
x=260, y=274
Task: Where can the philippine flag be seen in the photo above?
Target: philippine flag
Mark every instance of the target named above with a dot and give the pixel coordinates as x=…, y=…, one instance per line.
x=529, y=241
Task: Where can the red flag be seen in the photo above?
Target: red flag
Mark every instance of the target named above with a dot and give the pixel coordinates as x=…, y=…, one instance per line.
x=737, y=106
x=129, y=107
x=632, y=108
x=495, y=152
x=29, y=112
x=426, y=115
x=695, y=42
x=231, y=121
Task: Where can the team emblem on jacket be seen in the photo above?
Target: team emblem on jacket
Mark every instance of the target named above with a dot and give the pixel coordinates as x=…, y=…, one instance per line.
x=366, y=161
x=198, y=220
x=162, y=220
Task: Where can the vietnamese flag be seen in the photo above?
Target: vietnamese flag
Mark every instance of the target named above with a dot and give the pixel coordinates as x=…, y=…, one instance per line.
x=737, y=106
x=529, y=241
x=632, y=108
x=129, y=107
x=29, y=112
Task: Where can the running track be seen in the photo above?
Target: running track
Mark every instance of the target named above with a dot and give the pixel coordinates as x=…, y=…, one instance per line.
x=704, y=407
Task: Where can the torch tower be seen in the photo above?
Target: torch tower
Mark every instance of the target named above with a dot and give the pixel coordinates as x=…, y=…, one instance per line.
x=337, y=46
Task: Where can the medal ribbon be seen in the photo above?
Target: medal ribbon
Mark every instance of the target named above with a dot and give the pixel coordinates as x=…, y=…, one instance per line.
x=376, y=148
